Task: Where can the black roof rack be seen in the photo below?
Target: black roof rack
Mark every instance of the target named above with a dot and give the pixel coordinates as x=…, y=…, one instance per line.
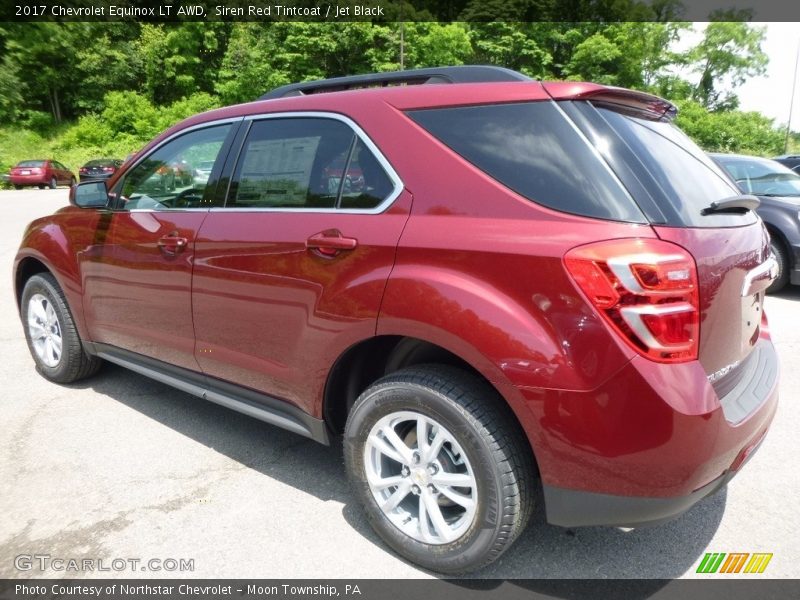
x=462, y=74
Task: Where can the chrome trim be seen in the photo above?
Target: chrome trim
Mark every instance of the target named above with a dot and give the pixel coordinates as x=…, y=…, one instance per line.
x=164, y=210
x=633, y=317
x=769, y=268
x=621, y=267
x=382, y=160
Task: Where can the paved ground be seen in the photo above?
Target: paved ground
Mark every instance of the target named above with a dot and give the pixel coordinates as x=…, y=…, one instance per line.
x=124, y=467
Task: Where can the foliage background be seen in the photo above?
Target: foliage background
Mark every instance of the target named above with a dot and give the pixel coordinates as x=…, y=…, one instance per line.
x=75, y=91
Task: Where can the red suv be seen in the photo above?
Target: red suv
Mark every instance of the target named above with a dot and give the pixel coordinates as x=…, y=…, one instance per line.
x=532, y=284
x=40, y=173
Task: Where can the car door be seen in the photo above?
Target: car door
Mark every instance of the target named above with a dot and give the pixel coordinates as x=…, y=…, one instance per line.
x=63, y=175
x=291, y=271
x=137, y=277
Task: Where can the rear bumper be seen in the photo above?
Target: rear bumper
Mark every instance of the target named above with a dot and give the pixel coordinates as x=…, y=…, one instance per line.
x=28, y=179
x=98, y=177
x=652, y=442
x=571, y=508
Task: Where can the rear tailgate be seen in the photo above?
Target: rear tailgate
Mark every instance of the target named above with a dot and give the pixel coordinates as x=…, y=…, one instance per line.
x=674, y=183
x=731, y=303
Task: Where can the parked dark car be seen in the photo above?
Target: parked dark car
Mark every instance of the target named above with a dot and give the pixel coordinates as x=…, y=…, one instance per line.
x=40, y=173
x=778, y=188
x=791, y=161
x=101, y=168
x=524, y=284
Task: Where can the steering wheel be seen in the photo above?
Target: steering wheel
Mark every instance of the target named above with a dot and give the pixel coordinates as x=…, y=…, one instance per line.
x=188, y=198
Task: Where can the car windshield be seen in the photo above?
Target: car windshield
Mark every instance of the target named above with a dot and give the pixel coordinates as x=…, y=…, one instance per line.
x=762, y=177
x=31, y=163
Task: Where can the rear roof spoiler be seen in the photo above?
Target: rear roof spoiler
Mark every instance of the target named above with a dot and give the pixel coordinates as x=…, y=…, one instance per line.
x=643, y=102
x=461, y=74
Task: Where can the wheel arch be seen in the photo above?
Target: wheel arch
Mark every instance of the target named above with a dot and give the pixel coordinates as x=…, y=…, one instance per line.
x=778, y=235
x=26, y=268
x=368, y=360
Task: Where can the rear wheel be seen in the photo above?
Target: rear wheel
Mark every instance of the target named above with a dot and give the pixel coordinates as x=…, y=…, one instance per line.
x=41, y=187
x=51, y=333
x=441, y=467
x=53, y=183
x=778, y=251
x=17, y=187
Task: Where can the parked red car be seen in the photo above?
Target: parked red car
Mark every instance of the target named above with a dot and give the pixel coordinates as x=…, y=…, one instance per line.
x=531, y=284
x=41, y=173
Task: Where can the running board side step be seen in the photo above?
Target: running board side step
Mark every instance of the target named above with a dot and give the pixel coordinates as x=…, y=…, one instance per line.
x=246, y=401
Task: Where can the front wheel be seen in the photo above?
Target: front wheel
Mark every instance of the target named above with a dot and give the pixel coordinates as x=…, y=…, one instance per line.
x=51, y=334
x=441, y=466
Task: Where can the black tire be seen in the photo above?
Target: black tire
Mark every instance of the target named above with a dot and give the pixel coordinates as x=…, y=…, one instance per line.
x=72, y=182
x=41, y=187
x=490, y=437
x=778, y=251
x=18, y=187
x=74, y=364
x=53, y=183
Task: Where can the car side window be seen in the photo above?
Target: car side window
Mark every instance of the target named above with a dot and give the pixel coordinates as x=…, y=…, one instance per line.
x=283, y=164
x=366, y=183
x=306, y=163
x=169, y=177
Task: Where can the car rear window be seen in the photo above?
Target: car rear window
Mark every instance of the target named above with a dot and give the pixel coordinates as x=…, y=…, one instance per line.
x=31, y=163
x=677, y=175
x=535, y=150
x=99, y=163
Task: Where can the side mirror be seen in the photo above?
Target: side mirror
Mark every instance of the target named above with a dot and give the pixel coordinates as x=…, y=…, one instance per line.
x=89, y=194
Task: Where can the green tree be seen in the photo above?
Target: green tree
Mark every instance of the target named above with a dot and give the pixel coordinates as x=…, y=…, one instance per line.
x=107, y=60
x=730, y=130
x=179, y=59
x=46, y=54
x=729, y=53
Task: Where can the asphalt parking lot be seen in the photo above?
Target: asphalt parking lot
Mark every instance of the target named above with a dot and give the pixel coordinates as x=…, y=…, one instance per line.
x=120, y=466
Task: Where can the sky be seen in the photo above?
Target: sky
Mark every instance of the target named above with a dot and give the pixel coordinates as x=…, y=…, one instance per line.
x=771, y=94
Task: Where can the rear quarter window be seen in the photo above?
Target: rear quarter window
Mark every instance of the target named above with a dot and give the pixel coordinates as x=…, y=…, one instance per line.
x=533, y=149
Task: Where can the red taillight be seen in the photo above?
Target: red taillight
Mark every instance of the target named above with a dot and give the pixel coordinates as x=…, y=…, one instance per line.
x=83, y=170
x=647, y=291
x=108, y=169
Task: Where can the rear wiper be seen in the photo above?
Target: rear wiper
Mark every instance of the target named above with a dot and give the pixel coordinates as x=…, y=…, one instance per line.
x=735, y=204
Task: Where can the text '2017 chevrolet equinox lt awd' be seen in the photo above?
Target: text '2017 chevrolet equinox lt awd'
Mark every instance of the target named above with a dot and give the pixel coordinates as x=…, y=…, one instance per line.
x=485, y=283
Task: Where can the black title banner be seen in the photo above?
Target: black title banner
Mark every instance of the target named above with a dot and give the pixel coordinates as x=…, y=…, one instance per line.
x=400, y=10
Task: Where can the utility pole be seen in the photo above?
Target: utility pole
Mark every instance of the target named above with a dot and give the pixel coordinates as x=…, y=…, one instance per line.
x=403, y=48
x=791, y=104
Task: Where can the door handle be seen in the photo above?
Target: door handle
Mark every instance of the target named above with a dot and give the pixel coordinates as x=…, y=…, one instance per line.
x=172, y=243
x=330, y=242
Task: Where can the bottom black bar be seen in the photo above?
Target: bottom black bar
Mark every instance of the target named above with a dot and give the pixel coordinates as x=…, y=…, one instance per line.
x=380, y=589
